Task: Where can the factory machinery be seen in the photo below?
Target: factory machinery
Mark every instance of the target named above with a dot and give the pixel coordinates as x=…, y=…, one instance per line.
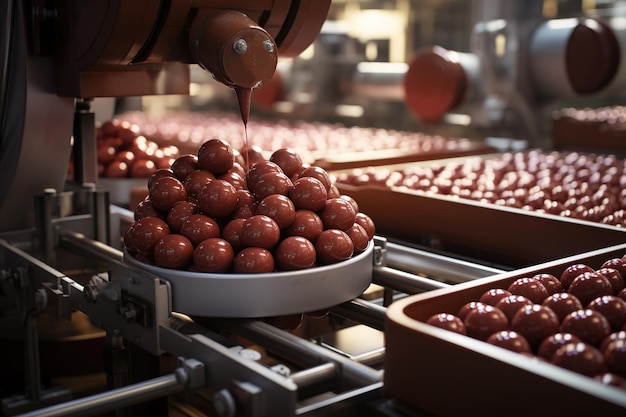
x=62, y=261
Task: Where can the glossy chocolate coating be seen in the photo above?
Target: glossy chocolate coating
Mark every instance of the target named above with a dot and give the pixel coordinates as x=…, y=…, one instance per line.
x=279, y=207
x=581, y=358
x=589, y=325
x=612, y=308
x=552, y=283
x=184, y=165
x=179, y=212
x=307, y=224
x=614, y=277
x=271, y=183
x=166, y=191
x=198, y=227
x=468, y=307
x=173, y=251
x=319, y=173
x=235, y=179
x=485, y=320
x=308, y=193
x=448, y=322
x=258, y=169
x=288, y=160
x=367, y=223
x=218, y=198
x=529, y=288
x=338, y=213
x=216, y=156
x=259, y=231
x=231, y=232
x=359, y=237
x=615, y=356
x=161, y=172
x=295, y=252
x=590, y=285
x=493, y=295
x=196, y=180
x=333, y=245
x=616, y=263
x=571, y=272
x=511, y=304
x=145, y=208
x=253, y=260
x=563, y=303
x=552, y=343
x=146, y=232
x=535, y=323
x=510, y=340
x=348, y=198
x=213, y=255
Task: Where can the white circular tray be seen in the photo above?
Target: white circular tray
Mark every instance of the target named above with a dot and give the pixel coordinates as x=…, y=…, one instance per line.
x=265, y=294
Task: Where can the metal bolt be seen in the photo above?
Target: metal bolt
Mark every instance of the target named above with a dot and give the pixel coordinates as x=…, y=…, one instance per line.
x=41, y=299
x=250, y=354
x=268, y=46
x=281, y=369
x=224, y=403
x=240, y=46
x=91, y=293
x=129, y=312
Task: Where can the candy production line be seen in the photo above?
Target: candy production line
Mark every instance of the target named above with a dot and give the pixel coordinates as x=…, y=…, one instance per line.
x=401, y=115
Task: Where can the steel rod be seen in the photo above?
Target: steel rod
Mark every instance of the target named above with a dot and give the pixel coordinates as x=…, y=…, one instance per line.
x=114, y=399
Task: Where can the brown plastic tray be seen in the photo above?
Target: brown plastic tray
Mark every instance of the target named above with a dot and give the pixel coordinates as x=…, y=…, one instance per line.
x=349, y=160
x=593, y=135
x=443, y=373
x=497, y=234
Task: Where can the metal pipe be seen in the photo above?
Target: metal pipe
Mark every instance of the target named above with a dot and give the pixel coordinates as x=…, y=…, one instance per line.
x=372, y=357
x=78, y=243
x=404, y=281
x=442, y=268
x=310, y=376
x=300, y=350
x=362, y=311
x=101, y=216
x=32, y=357
x=115, y=399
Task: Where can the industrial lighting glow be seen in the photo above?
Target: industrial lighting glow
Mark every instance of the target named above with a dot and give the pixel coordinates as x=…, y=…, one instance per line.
x=562, y=23
x=618, y=23
x=500, y=44
x=349, y=110
x=194, y=89
x=458, y=119
x=284, y=107
x=382, y=67
x=491, y=25
x=308, y=53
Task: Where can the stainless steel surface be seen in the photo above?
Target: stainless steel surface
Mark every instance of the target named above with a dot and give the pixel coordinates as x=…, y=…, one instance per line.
x=265, y=294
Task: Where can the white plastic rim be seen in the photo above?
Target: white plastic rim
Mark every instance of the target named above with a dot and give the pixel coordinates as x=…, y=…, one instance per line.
x=265, y=294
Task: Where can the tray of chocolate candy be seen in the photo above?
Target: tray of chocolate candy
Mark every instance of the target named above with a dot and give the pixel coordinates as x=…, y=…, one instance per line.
x=544, y=340
x=514, y=208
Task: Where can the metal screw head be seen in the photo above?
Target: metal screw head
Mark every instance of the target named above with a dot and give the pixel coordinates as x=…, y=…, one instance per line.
x=240, y=46
x=224, y=403
x=268, y=46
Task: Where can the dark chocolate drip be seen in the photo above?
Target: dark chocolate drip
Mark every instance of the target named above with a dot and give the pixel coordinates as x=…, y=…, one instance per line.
x=244, y=98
